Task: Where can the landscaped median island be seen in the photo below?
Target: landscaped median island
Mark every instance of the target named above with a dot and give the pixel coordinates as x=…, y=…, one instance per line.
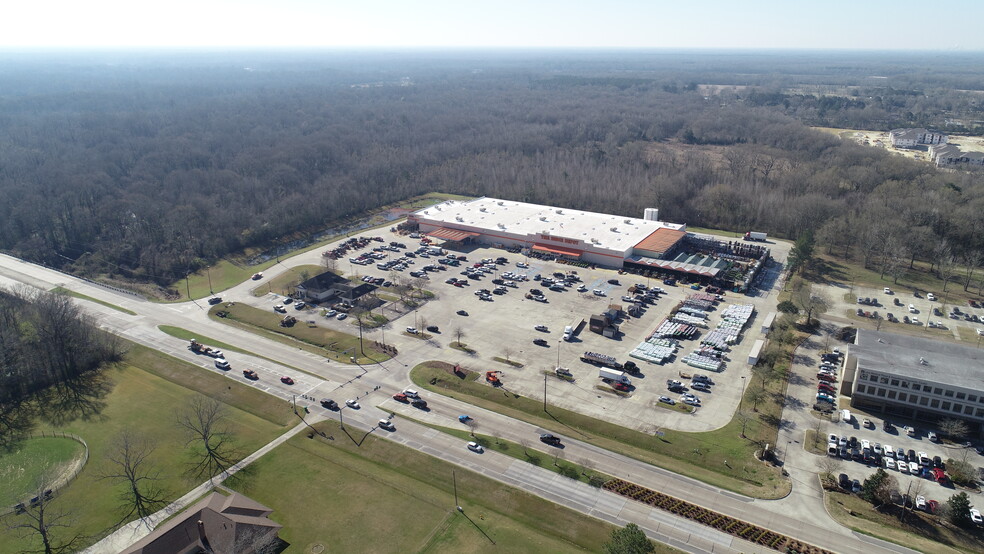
x=180, y=333
x=701, y=456
x=727, y=524
x=329, y=343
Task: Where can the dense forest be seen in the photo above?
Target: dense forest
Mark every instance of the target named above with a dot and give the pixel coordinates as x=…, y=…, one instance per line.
x=149, y=166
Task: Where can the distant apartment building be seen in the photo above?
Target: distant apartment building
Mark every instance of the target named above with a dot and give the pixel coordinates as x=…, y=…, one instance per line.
x=909, y=138
x=950, y=155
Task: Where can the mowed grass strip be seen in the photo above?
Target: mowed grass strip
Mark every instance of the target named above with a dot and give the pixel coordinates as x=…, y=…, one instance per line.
x=21, y=467
x=552, y=460
x=286, y=281
x=698, y=455
x=921, y=531
x=80, y=296
x=147, y=406
x=383, y=497
x=329, y=343
x=180, y=333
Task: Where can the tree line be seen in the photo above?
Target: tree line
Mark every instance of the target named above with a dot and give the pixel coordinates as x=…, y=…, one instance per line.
x=152, y=170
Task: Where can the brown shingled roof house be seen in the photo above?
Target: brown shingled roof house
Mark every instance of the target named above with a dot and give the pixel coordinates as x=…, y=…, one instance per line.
x=220, y=524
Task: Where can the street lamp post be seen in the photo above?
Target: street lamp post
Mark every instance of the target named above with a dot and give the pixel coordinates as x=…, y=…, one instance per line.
x=741, y=398
x=784, y=452
x=559, y=342
x=208, y=271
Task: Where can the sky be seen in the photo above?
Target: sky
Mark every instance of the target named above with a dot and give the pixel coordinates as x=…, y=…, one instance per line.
x=388, y=24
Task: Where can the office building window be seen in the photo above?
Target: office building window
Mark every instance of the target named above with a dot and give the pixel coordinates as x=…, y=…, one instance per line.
x=948, y=394
x=968, y=410
x=881, y=392
x=905, y=384
x=923, y=401
x=891, y=395
x=895, y=382
x=862, y=389
x=972, y=398
x=902, y=397
x=945, y=406
x=883, y=380
x=934, y=404
x=961, y=396
x=937, y=391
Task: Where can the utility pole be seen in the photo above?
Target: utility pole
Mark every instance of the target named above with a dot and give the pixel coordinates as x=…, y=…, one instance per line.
x=544, y=393
x=187, y=286
x=454, y=480
x=208, y=271
x=741, y=398
x=360, y=335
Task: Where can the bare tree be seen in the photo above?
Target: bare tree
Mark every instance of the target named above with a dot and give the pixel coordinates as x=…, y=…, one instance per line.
x=507, y=351
x=755, y=396
x=205, y=423
x=329, y=263
x=972, y=258
x=811, y=302
x=954, y=428
x=42, y=521
x=127, y=465
x=827, y=466
x=458, y=333
x=744, y=418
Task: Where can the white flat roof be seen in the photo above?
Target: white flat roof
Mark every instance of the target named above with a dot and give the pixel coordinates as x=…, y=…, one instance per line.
x=602, y=231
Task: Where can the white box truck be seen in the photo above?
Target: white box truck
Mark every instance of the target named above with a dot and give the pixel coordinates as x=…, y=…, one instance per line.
x=754, y=235
x=617, y=376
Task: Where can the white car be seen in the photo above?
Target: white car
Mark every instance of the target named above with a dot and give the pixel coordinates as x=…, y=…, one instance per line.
x=865, y=444
x=832, y=438
x=889, y=463
x=913, y=468
x=931, y=297
x=522, y=265
x=221, y=363
x=331, y=313
x=475, y=447
x=279, y=308
x=667, y=400
x=352, y=403
x=888, y=291
x=975, y=516
x=980, y=332
x=889, y=452
x=690, y=401
x=903, y=467
x=386, y=424
x=921, y=502
x=912, y=308
x=598, y=292
x=583, y=288
x=412, y=330
x=341, y=316
x=627, y=298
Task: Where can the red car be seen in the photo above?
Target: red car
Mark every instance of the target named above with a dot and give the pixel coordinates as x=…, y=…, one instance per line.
x=250, y=374
x=400, y=397
x=620, y=386
x=286, y=380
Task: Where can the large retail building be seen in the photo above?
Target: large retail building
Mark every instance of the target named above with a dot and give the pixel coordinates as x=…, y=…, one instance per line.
x=596, y=238
x=915, y=377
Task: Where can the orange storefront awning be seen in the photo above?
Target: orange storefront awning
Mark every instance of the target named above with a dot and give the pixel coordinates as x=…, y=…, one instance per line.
x=453, y=235
x=558, y=250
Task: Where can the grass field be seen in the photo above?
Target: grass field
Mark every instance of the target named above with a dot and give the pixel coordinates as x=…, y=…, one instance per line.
x=21, y=468
x=286, y=281
x=921, y=531
x=147, y=405
x=79, y=295
x=325, y=342
x=188, y=335
x=233, y=270
x=382, y=497
x=702, y=454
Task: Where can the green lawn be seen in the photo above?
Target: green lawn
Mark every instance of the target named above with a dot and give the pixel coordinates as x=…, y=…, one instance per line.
x=144, y=404
x=233, y=270
x=698, y=455
x=79, y=295
x=286, y=281
x=188, y=335
x=382, y=497
x=325, y=342
x=921, y=531
x=21, y=468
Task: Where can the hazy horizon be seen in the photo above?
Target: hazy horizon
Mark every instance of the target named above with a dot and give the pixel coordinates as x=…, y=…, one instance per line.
x=839, y=25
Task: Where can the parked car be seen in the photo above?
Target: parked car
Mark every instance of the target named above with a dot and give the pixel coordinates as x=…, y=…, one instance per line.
x=352, y=403
x=214, y=300
x=844, y=481
x=667, y=400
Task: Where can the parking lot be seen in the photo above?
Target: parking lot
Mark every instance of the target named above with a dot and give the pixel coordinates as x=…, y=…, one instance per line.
x=504, y=325
x=904, y=311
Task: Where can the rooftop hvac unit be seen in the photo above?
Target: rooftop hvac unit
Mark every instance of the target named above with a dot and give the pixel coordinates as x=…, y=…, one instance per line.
x=561, y=212
x=501, y=226
x=923, y=361
x=543, y=218
x=482, y=209
x=651, y=214
x=614, y=229
x=628, y=222
x=501, y=203
x=459, y=218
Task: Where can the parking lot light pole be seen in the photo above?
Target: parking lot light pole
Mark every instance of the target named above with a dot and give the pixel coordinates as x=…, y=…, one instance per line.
x=741, y=398
x=544, y=392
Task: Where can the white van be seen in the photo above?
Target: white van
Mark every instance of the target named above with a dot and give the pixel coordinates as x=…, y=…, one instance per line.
x=411, y=393
x=568, y=333
x=846, y=416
